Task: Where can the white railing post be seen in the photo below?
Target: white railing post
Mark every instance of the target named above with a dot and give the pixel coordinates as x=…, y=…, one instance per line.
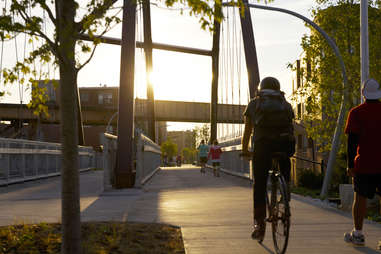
x=7, y=164
x=23, y=161
x=35, y=161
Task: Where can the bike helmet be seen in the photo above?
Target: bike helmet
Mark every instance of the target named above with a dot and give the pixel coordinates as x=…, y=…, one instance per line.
x=269, y=83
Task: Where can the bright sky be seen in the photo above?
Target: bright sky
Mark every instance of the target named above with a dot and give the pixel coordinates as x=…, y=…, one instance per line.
x=186, y=77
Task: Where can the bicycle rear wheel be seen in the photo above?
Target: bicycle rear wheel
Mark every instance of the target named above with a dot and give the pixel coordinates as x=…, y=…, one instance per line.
x=280, y=214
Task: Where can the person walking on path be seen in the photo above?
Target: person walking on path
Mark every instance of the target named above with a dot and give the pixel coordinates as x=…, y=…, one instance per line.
x=363, y=165
x=215, y=154
x=270, y=116
x=203, y=151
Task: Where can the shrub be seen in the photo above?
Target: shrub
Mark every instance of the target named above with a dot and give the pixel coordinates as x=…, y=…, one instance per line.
x=309, y=179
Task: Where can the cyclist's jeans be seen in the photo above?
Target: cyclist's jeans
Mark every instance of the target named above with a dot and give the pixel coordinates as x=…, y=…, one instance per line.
x=262, y=162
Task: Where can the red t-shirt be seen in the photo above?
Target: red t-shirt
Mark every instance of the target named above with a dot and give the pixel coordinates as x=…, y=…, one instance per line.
x=365, y=120
x=215, y=153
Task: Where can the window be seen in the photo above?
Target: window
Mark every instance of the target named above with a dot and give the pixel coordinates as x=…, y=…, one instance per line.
x=100, y=98
x=299, y=111
x=105, y=98
x=84, y=97
x=300, y=141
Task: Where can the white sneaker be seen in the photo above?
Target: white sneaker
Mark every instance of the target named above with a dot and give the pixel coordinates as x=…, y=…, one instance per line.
x=350, y=237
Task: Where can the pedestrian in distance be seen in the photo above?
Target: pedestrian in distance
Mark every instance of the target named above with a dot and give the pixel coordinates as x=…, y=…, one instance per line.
x=363, y=128
x=215, y=152
x=203, y=151
x=270, y=118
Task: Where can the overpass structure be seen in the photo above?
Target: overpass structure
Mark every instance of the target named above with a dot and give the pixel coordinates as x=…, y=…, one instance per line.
x=172, y=111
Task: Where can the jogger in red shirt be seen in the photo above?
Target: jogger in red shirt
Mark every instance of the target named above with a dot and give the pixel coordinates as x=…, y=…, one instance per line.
x=215, y=154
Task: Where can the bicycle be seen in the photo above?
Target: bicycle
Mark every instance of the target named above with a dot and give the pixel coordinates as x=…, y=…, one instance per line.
x=278, y=207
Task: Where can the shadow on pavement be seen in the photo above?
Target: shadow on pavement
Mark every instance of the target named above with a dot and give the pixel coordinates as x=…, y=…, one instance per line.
x=366, y=250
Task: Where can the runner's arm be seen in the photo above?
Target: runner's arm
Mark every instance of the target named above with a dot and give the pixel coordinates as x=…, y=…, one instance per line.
x=246, y=134
x=353, y=140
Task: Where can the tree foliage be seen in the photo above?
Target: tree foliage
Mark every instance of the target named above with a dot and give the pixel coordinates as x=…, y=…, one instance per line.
x=169, y=148
x=202, y=133
x=24, y=16
x=62, y=47
x=189, y=154
x=322, y=89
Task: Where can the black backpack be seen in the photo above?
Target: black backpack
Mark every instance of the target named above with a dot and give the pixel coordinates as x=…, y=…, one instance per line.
x=274, y=115
x=272, y=111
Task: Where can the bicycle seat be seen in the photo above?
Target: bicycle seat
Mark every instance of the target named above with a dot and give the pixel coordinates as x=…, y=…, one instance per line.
x=279, y=155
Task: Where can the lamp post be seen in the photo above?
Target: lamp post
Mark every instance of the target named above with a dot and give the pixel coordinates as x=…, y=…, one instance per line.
x=364, y=44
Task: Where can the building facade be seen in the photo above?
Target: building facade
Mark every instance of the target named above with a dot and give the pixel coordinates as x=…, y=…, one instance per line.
x=307, y=155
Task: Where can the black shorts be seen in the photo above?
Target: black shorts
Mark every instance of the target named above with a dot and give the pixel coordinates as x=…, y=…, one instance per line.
x=216, y=164
x=203, y=159
x=367, y=185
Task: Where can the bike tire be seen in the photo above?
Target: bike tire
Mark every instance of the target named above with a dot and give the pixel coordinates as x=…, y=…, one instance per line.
x=280, y=217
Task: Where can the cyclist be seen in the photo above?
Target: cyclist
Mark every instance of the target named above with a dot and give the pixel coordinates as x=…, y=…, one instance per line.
x=270, y=116
x=203, y=150
x=364, y=137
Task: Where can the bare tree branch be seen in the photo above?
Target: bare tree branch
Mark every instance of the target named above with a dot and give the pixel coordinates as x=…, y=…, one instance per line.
x=45, y=7
x=95, y=46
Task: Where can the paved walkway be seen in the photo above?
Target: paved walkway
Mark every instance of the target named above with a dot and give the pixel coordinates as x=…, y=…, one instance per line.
x=214, y=213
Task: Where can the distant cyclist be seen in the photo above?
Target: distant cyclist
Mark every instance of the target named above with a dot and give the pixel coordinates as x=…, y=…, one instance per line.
x=203, y=151
x=270, y=116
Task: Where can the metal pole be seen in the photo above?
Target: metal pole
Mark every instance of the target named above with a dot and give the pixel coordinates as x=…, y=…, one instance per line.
x=215, y=71
x=148, y=54
x=124, y=154
x=364, y=44
x=250, y=51
x=340, y=119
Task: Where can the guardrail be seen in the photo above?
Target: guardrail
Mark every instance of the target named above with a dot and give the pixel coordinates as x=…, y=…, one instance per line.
x=109, y=143
x=148, y=159
x=231, y=162
x=147, y=156
x=26, y=160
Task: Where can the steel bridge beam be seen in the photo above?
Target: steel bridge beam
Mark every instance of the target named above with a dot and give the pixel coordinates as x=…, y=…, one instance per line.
x=161, y=46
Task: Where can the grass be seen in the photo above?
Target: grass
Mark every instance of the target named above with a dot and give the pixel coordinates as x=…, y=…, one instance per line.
x=306, y=192
x=97, y=238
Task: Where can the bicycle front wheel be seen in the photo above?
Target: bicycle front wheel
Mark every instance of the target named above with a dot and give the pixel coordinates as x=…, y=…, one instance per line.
x=280, y=217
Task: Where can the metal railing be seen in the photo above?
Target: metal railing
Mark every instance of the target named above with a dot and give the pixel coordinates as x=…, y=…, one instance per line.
x=147, y=156
x=25, y=160
x=321, y=163
x=148, y=159
x=231, y=162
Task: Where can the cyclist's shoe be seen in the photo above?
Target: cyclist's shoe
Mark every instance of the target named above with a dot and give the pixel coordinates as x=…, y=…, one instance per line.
x=379, y=245
x=350, y=237
x=259, y=230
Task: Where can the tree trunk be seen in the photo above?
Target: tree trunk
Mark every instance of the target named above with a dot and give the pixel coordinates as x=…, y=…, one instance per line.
x=71, y=222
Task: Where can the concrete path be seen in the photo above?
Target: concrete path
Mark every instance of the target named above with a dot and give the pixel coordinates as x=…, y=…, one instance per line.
x=215, y=214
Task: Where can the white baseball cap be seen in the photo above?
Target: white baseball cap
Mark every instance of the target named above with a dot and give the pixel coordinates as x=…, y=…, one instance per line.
x=371, y=89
